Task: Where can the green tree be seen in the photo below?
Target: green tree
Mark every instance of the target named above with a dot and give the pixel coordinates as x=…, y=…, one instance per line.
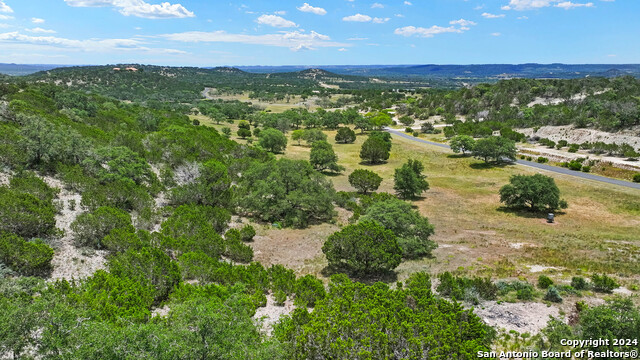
x=406, y=120
x=345, y=135
x=89, y=229
x=366, y=248
x=495, y=148
x=286, y=191
x=462, y=144
x=313, y=135
x=374, y=150
x=273, y=140
x=535, y=192
x=364, y=181
x=409, y=180
x=412, y=229
x=297, y=135
x=322, y=157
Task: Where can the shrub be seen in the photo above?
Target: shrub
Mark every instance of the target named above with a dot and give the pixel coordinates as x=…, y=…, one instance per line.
x=364, y=181
x=636, y=178
x=309, y=290
x=282, y=279
x=363, y=249
x=150, y=265
x=603, y=283
x=579, y=283
x=408, y=130
x=122, y=239
x=573, y=148
x=26, y=258
x=27, y=182
x=280, y=297
x=378, y=312
x=416, y=134
x=586, y=168
x=90, y=228
x=553, y=295
x=235, y=249
x=118, y=298
x=25, y=214
x=467, y=289
x=525, y=294
x=544, y=282
x=247, y=233
x=542, y=160
x=412, y=229
x=195, y=228
x=575, y=165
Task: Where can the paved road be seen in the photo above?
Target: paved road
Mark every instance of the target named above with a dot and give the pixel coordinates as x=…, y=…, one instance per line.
x=555, y=169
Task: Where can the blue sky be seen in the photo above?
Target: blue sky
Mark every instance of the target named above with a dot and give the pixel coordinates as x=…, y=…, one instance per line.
x=333, y=32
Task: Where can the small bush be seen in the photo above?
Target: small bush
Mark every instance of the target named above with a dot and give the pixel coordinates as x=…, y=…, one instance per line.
x=282, y=279
x=416, y=134
x=579, y=283
x=553, y=295
x=586, y=168
x=408, y=130
x=90, y=228
x=309, y=290
x=542, y=160
x=235, y=249
x=544, y=282
x=525, y=293
x=575, y=165
x=247, y=233
x=25, y=258
x=603, y=283
x=280, y=297
x=636, y=178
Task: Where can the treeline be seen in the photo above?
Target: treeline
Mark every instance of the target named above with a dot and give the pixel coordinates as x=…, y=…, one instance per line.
x=607, y=104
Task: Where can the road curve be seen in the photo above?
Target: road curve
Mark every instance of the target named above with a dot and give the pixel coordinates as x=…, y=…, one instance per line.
x=555, y=169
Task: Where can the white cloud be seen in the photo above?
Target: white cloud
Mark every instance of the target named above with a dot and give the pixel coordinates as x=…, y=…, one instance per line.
x=312, y=9
x=357, y=18
x=4, y=26
x=462, y=22
x=5, y=17
x=343, y=49
x=435, y=30
x=496, y=34
x=138, y=8
x=294, y=40
x=377, y=6
x=5, y=8
x=425, y=32
x=523, y=17
x=399, y=15
x=37, y=20
x=408, y=3
x=365, y=18
x=275, y=21
x=357, y=39
x=280, y=12
x=93, y=45
x=492, y=16
x=521, y=5
x=570, y=5
x=41, y=30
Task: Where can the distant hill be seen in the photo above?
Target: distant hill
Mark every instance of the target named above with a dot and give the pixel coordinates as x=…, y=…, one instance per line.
x=489, y=72
x=21, y=69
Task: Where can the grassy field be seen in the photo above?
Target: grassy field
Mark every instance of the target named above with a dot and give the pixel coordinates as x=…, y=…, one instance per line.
x=598, y=233
x=294, y=102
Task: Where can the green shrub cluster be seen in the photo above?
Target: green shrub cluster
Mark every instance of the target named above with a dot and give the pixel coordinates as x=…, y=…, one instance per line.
x=29, y=258
x=467, y=289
